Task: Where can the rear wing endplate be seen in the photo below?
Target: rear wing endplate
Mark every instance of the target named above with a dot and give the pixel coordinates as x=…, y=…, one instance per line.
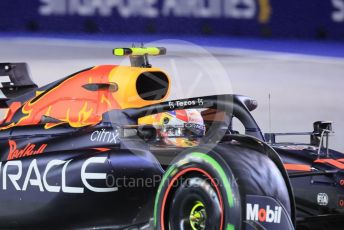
x=15, y=80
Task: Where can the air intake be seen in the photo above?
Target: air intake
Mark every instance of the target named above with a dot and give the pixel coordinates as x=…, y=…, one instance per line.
x=152, y=85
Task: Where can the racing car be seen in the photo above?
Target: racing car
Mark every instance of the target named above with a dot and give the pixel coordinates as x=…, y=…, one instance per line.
x=104, y=148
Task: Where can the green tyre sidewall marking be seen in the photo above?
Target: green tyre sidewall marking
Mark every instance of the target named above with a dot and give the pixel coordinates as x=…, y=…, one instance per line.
x=164, y=178
x=221, y=172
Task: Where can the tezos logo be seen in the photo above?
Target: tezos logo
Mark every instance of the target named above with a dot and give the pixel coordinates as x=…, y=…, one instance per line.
x=322, y=199
x=268, y=215
x=173, y=104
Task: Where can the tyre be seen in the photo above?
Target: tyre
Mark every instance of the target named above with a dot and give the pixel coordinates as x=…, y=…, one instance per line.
x=208, y=188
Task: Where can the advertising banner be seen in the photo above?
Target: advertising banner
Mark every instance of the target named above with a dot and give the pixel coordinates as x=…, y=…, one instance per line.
x=295, y=19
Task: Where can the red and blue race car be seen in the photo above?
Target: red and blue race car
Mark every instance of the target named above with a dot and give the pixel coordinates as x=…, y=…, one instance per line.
x=104, y=148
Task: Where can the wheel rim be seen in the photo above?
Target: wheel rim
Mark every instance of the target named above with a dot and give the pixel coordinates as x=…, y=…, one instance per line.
x=170, y=185
x=198, y=216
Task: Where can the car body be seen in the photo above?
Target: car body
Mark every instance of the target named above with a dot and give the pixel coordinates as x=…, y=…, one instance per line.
x=73, y=151
x=316, y=173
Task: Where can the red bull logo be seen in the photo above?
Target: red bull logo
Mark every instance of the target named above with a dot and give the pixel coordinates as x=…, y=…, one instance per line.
x=72, y=102
x=28, y=150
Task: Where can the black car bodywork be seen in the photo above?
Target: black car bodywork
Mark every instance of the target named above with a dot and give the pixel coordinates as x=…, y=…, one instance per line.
x=96, y=175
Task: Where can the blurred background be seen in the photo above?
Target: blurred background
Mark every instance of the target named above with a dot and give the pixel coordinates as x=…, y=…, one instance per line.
x=292, y=50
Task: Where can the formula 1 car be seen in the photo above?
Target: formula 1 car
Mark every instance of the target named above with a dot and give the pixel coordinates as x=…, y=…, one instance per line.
x=83, y=152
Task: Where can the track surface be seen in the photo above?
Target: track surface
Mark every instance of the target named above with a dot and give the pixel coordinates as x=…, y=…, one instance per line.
x=303, y=88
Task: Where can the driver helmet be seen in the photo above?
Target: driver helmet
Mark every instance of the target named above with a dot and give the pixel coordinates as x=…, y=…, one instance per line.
x=180, y=128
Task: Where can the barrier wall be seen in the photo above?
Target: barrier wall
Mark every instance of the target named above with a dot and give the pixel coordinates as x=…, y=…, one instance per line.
x=269, y=18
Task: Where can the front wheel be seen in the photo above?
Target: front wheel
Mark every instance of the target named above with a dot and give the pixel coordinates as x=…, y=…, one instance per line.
x=198, y=192
x=223, y=188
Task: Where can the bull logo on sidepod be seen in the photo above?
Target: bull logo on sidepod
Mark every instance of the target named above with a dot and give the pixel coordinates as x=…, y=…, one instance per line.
x=72, y=102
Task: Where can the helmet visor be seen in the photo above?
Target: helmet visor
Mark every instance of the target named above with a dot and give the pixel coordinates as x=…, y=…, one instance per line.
x=188, y=130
